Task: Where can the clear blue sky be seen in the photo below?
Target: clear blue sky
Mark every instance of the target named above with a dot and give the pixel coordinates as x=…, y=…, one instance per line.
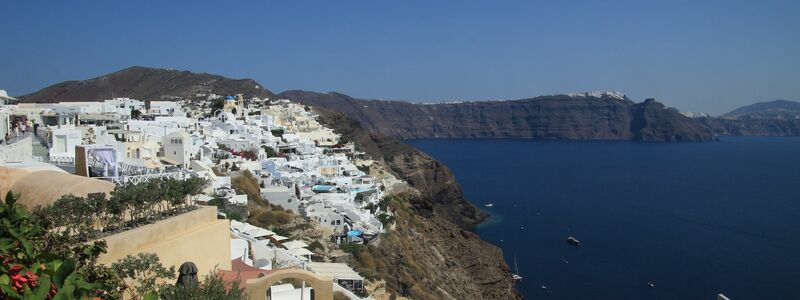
x=709, y=56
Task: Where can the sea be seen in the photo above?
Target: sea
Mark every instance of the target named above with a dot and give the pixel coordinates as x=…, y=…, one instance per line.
x=692, y=219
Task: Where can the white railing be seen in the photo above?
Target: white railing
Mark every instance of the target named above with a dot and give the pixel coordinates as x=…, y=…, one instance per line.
x=136, y=179
x=351, y=295
x=56, y=160
x=17, y=152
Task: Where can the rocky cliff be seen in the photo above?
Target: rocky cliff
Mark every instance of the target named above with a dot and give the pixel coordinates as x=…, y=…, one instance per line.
x=751, y=126
x=145, y=84
x=776, y=109
x=771, y=118
x=587, y=116
x=431, y=254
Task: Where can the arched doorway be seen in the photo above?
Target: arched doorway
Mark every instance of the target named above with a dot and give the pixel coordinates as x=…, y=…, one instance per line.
x=322, y=285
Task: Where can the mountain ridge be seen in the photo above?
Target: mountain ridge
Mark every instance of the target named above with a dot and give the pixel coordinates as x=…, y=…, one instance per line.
x=583, y=116
x=145, y=83
x=779, y=109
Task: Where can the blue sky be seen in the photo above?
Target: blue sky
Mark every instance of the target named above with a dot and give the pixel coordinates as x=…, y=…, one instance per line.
x=709, y=56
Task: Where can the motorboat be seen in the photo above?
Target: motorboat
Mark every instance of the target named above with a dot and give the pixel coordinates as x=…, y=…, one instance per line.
x=573, y=241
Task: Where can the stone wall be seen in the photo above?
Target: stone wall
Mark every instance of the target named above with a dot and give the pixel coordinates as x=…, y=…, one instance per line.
x=197, y=236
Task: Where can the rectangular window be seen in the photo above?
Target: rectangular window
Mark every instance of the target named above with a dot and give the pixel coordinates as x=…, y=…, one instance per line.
x=62, y=142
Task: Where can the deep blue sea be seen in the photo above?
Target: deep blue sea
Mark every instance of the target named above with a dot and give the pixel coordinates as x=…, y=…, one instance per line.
x=695, y=219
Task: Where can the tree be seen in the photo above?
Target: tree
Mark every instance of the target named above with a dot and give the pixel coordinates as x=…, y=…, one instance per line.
x=213, y=287
x=270, y=152
x=386, y=219
x=135, y=114
x=359, y=198
x=142, y=273
x=88, y=138
x=217, y=104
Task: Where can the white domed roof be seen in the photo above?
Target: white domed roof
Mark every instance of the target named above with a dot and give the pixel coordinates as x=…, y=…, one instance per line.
x=226, y=117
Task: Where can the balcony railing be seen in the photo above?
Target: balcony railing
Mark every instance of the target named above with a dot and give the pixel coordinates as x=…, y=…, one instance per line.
x=136, y=179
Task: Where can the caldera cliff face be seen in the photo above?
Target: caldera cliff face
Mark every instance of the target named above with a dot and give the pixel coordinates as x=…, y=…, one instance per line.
x=572, y=117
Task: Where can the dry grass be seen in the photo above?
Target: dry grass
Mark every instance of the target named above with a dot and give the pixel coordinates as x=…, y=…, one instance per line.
x=262, y=213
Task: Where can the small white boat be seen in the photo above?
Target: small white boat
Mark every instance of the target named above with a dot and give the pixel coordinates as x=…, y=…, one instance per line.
x=573, y=241
x=489, y=205
x=652, y=285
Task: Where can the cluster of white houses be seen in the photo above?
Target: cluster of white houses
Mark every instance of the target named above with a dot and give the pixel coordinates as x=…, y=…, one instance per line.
x=300, y=164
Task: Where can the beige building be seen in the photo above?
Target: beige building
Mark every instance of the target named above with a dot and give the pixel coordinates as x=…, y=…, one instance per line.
x=196, y=236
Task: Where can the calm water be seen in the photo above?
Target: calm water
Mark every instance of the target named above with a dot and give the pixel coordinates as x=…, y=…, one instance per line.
x=696, y=219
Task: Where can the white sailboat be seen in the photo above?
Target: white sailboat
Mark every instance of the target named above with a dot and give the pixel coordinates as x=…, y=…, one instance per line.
x=515, y=275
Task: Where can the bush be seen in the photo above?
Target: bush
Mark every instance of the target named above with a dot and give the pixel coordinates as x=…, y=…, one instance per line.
x=372, y=207
x=277, y=132
x=315, y=245
x=353, y=249
x=142, y=273
x=386, y=219
x=39, y=262
x=84, y=218
x=271, y=218
x=359, y=198
x=270, y=152
x=213, y=287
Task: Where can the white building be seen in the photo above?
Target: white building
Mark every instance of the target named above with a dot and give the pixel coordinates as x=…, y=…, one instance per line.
x=5, y=99
x=178, y=148
x=165, y=108
x=63, y=142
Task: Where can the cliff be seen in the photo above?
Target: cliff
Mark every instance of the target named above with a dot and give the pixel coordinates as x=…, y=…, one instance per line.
x=596, y=116
x=751, y=126
x=431, y=253
x=771, y=118
x=776, y=109
x=145, y=84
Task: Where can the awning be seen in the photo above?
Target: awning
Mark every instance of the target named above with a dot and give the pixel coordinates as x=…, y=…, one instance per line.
x=294, y=245
x=301, y=252
x=237, y=225
x=278, y=238
x=335, y=270
x=259, y=232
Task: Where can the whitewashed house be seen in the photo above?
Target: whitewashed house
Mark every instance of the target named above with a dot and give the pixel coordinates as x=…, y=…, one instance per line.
x=178, y=148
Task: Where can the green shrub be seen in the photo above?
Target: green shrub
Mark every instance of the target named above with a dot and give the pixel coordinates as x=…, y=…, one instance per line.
x=39, y=262
x=314, y=246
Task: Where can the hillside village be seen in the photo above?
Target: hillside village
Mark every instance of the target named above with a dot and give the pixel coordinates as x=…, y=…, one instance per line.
x=295, y=194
